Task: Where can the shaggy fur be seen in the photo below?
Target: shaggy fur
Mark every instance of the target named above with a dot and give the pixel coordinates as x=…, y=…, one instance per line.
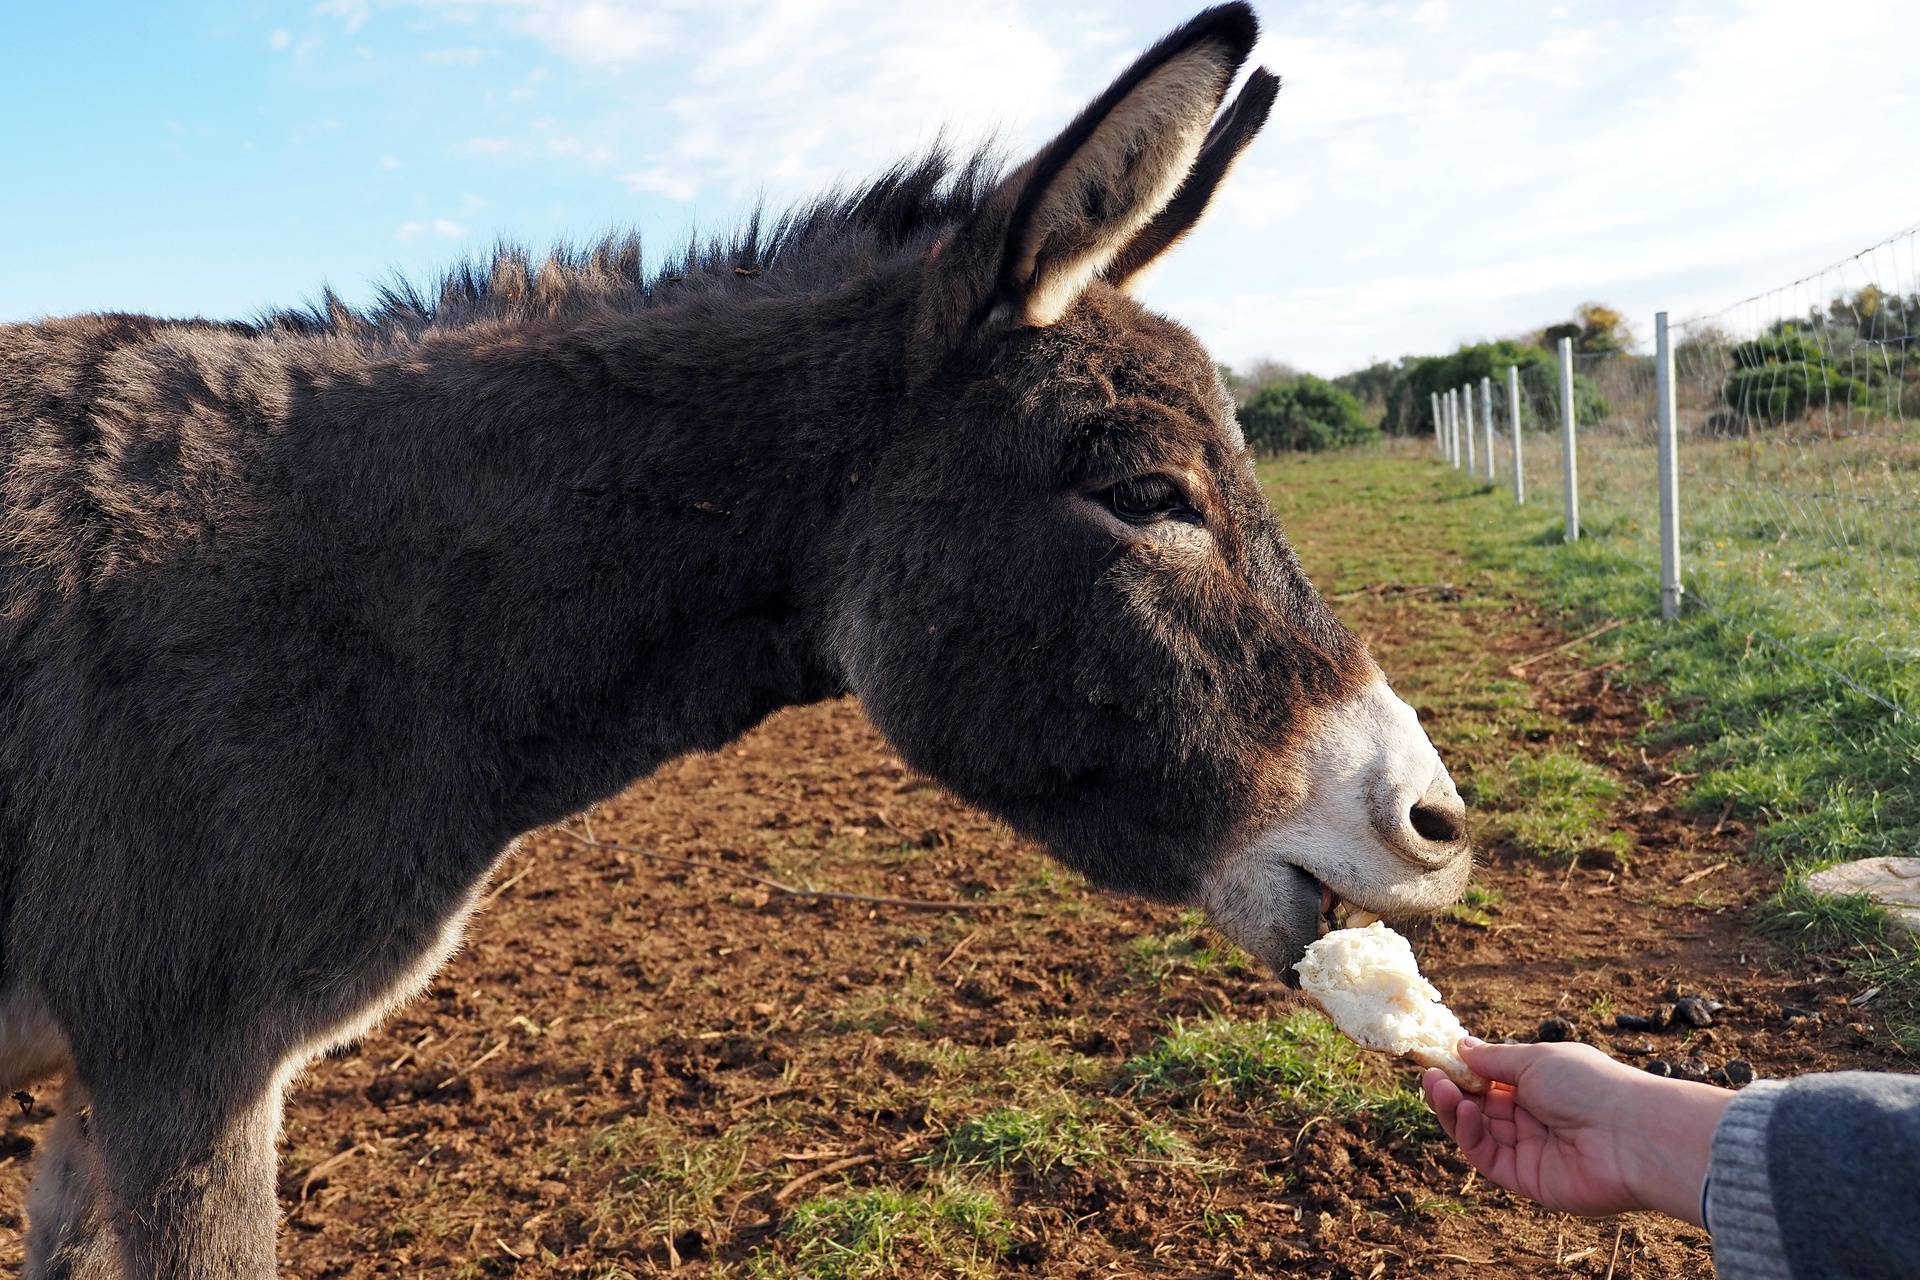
x=303, y=622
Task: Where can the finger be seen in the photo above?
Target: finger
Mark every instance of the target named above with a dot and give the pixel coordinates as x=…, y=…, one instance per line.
x=1443, y=1095
x=1472, y=1132
x=1497, y=1061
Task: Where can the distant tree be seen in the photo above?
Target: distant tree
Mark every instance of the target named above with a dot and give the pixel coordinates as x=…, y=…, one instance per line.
x=1603, y=330
x=1409, y=410
x=1596, y=329
x=1307, y=413
x=1244, y=384
x=1373, y=384
x=1551, y=335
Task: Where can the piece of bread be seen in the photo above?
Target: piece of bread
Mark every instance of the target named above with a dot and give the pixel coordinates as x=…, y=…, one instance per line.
x=1370, y=985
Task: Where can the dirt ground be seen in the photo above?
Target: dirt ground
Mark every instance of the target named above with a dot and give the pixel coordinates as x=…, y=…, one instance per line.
x=639, y=1066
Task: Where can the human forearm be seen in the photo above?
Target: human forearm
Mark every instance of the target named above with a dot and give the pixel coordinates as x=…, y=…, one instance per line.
x=1666, y=1137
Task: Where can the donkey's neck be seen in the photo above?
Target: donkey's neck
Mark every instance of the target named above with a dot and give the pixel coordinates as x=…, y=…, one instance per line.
x=625, y=556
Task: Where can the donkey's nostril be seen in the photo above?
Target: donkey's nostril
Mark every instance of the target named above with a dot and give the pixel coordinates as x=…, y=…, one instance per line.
x=1439, y=815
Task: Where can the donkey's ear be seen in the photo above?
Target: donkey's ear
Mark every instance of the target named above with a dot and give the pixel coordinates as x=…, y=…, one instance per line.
x=1084, y=198
x=1225, y=141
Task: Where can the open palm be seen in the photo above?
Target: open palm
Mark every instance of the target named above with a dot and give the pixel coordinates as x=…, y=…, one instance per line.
x=1550, y=1134
x=1567, y=1126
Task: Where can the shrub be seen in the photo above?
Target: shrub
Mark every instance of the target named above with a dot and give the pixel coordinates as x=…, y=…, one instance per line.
x=1780, y=375
x=1308, y=413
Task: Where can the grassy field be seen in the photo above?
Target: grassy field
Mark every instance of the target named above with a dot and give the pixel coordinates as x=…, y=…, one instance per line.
x=1823, y=771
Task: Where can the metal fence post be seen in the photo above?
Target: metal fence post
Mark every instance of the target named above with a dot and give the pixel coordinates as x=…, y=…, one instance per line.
x=1513, y=425
x=1452, y=428
x=1670, y=588
x=1466, y=419
x=1452, y=399
x=1569, y=444
x=1433, y=407
x=1486, y=415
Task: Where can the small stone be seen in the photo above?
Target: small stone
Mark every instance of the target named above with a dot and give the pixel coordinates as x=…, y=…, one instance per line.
x=1693, y=1011
x=1738, y=1073
x=1632, y=1022
x=1642, y=1050
x=1557, y=1031
x=1792, y=1011
x=1657, y=1067
x=1693, y=1069
x=1662, y=1016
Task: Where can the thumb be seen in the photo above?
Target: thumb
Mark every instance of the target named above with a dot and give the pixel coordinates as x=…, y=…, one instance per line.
x=1502, y=1062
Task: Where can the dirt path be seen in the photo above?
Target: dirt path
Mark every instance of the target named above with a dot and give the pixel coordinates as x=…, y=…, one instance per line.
x=640, y=1067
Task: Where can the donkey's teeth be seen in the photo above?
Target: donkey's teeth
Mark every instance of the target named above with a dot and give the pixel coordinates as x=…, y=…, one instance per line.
x=1352, y=917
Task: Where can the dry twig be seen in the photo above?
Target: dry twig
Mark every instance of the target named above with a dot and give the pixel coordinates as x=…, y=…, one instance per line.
x=780, y=1196
x=1598, y=631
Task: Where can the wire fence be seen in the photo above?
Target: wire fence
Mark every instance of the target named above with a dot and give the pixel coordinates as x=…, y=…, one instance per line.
x=1793, y=418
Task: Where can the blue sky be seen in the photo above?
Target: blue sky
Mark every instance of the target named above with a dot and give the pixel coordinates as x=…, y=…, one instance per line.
x=1434, y=172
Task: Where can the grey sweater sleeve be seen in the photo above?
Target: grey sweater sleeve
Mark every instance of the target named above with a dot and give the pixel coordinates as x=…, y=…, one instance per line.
x=1818, y=1179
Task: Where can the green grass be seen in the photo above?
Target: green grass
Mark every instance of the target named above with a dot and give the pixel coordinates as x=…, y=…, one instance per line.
x=1055, y=1135
x=664, y=1178
x=1298, y=1062
x=953, y=1230
x=1553, y=803
x=1477, y=905
x=1186, y=947
x=1881, y=958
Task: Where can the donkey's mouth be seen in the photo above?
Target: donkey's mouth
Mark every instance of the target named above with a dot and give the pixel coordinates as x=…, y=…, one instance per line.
x=1337, y=913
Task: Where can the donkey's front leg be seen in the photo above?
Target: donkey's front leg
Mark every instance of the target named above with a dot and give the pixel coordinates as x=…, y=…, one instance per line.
x=186, y=1160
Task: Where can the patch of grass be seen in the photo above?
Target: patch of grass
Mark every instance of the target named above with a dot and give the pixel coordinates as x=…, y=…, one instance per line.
x=1553, y=803
x=1056, y=1134
x=880, y=1010
x=665, y=1179
x=1299, y=1061
x=952, y=1230
x=1476, y=905
x=1033, y=1140
x=1187, y=946
x=1884, y=959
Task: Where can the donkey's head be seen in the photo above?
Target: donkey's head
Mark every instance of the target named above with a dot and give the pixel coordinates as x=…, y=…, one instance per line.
x=1070, y=600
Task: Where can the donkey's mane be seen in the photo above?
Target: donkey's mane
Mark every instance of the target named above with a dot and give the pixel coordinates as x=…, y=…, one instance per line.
x=813, y=243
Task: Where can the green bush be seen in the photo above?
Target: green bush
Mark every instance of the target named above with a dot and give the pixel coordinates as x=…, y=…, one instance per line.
x=1778, y=376
x=1308, y=413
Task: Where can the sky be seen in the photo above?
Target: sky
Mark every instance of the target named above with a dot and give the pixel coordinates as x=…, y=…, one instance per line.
x=1434, y=172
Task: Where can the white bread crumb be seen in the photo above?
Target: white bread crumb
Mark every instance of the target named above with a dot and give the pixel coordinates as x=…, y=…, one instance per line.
x=1370, y=985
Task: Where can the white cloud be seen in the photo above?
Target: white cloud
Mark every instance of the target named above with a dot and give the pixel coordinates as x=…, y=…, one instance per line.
x=391, y=162
x=485, y=146
x=661, y=182
x=463, y=57
x=280, y=39
x=1485, y=167
x=444, y=228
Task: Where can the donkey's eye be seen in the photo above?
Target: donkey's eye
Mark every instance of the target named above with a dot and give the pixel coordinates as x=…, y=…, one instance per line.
x=1145, y=499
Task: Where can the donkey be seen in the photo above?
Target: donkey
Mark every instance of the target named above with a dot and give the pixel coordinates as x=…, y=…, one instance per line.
x=303, y=622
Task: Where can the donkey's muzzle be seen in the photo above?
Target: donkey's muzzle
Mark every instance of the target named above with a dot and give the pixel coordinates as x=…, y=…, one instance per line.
x=1427, y=827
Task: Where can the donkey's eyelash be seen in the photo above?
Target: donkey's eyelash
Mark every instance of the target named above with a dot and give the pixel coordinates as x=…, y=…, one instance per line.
x=1146, y=499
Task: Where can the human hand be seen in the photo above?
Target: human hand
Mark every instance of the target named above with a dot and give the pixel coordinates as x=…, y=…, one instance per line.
x=1567, y=1126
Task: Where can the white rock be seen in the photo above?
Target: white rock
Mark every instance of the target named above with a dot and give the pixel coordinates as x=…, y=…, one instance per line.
x=1893, y=882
